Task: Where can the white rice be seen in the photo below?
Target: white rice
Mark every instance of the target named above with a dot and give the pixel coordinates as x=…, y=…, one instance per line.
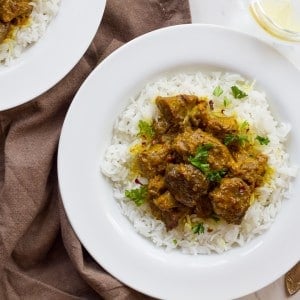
x=43, y=12
x=254, y=109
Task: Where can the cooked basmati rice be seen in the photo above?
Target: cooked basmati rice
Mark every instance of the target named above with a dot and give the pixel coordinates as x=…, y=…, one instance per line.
x=254, y=109
x=43, y=12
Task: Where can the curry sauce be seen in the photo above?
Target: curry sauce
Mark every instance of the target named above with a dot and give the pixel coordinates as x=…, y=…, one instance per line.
x=197, y=161
x=13, y=13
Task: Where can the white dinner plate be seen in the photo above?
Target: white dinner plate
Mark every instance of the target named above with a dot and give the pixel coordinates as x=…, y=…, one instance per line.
x=48, y=60
x=87, y=196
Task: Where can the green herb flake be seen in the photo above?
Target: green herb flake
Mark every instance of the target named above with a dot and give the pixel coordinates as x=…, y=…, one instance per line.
x=226, y=102
x=137, y=195
x=200, y=159
x=204, y=168
x=202, y=152
x=244, y=125
x=237, y=93
x=216, y=175
x=200, y=162
x=175, y=242
x=145, y=129
x=218, y=91
x=198, y=228
x=263, y=140
x=232, y=138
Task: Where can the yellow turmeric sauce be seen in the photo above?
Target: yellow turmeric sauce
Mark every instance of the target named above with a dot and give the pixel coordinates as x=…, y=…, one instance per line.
x=236, y=139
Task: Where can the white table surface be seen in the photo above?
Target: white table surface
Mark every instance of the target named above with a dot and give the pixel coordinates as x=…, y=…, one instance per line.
x=234, y=14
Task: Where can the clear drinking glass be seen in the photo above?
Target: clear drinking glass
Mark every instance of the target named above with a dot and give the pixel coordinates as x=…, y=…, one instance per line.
x=281, y=18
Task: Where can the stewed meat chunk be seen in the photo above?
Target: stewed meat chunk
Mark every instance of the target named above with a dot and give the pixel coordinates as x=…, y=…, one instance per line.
x=11, y=9
x=4, y=28
x=187, y=143
x=153, y=160
x=161, y=126
x=220, y=126
x=250, y=166
x=217, y=125
x=174, y=109
x=170, y=217
x=190, y=100
x=199, y=114
x=186, y=183
x=156, y=186
x=165, y=201
x=204, y=208
x=231, y=199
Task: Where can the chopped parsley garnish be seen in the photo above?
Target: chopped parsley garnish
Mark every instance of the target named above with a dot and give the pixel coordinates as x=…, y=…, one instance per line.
x=244, y=125
x=200, y=161
x=201, y=153
x=237, y=93
x=198, y=228
x=226, y=102
x=204, y=168
x=235, y=138
x=175, y=242
x=145, y=129
x=218, y=91
x=263, y=140
x=137, y=195
x=215, y=175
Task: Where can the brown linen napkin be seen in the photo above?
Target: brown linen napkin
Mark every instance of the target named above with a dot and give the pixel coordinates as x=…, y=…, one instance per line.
x=40, y=255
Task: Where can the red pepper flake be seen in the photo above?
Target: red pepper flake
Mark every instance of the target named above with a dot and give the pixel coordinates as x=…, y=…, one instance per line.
x=211, y=104
x=137, y=181
x=170, y=158
x=209, y=229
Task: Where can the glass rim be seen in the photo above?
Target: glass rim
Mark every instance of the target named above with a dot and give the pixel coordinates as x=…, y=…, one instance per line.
x=270, y=26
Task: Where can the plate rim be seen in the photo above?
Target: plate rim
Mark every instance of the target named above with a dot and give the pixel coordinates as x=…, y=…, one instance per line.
x=105, y=61
x=18, y=67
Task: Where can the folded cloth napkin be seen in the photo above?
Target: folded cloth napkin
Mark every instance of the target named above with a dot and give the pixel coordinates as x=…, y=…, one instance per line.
x=40, y=255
